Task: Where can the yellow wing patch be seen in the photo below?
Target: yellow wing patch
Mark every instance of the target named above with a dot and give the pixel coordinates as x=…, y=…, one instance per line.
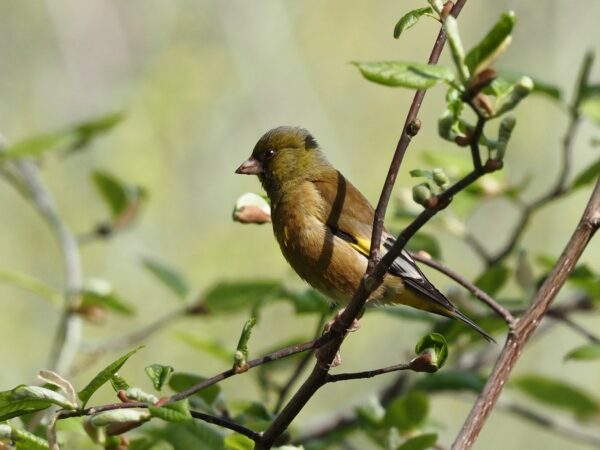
x=362, y=245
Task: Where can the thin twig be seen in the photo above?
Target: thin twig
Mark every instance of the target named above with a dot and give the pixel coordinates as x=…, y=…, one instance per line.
x=525, y=327
x=478, y=293
x=366, y=374
x=225, y=423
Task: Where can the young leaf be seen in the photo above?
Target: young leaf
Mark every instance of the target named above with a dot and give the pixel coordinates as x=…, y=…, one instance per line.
x=168, y=276
x=436, y=345
x=407, y=412
x=25, y=440
x=589, y=175
x=493, y=279
x=39, y=393
x=506, y=79
x=403, y=74
x=558, y=394
x=241, y=354
x=113, y=191
x=492, y=45
x=137, y=394
x=410, y=19
x=420, y=442
x=118, y=383
x=102, y=377
x=456, y=47
x=196, y=435
x=56, y=380
x=125, y=415
x=584, y=353
x=29, y=283
x=178, y=412
x=16, y=408
x=159, y=374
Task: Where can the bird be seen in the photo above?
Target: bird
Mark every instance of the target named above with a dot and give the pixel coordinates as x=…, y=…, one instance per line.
x=323, y=225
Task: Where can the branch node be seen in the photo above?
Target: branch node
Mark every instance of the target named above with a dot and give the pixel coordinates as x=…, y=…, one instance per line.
x=413, y=127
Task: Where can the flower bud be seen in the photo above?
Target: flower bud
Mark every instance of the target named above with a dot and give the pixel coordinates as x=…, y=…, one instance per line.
x=422, y=193
x=504, y=132
x=440, y=177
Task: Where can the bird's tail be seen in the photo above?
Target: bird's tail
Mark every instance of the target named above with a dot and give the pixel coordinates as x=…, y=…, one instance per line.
x=456, y=314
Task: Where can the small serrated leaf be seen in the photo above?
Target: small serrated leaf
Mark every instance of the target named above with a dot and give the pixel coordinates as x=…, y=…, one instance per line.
x=103, y=376
x=178, y=412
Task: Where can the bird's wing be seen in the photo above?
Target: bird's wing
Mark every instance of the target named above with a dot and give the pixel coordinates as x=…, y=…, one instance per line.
x=350, y=216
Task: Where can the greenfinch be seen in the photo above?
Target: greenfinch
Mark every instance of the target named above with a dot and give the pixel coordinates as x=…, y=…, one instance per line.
x=323, y=225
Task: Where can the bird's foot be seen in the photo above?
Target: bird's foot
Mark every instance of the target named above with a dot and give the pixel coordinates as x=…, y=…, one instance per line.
x=355, y=326
x=337, y=360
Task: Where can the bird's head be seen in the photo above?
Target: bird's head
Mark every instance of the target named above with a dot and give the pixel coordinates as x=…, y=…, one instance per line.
x=283, y=156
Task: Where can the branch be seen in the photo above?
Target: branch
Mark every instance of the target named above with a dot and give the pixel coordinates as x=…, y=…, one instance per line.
x=69, y=331
x=478, y=293
x=367, y=373
x=513, y=347
x=226, y=423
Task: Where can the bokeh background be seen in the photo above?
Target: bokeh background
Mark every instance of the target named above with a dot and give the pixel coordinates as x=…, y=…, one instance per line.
x=199, y=82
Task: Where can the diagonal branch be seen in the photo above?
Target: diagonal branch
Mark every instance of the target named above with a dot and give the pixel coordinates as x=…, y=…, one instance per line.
x=525, y=327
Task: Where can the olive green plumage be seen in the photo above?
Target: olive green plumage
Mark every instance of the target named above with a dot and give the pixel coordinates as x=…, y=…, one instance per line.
x=323, y=225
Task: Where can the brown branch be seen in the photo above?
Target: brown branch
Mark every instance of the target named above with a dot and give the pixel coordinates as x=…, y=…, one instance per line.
x=478, y=293
x=516, y=341
x=367, y=373
x=279, y=354
x=376, y=267
x=208, y=418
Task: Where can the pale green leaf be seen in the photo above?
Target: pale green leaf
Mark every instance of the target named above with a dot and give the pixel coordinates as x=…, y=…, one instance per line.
x=404, y=74
x=170, y=277
x=484, y=53
x=410, y=19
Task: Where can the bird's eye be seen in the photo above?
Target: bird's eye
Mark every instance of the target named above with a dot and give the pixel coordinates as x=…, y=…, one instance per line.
x=269, y=153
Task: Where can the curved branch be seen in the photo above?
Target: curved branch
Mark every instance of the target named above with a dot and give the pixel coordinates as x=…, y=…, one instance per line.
x=513, y=347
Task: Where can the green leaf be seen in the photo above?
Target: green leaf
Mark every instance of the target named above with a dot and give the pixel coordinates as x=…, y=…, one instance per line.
x=421, y=442
x=178, y=412
x=434, y=342
x=497, y=39
x=158, y=374
x=493, y=279
x=104, y=376
x=451, y=380
x=404, y=74
x=32, y=284
x=230, y=296
x=16, y=408
x=253, y=415
x=584, y=353
x=410, y=19
x=558, y=394
x=118, y=383
x=372, y=412
x=408, y=412
x=587, y=176
x=180, y=381
x=67, y=140
x=237, y=441
x=168, y=276
x=502, y=84
x=24, y=392
x=25, y=440
x=206, y=344
x=421, y=173
x=100, y=293
x=113, y=191
x=426, y=242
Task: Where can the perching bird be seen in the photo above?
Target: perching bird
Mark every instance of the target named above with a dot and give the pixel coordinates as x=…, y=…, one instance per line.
x=323, y=225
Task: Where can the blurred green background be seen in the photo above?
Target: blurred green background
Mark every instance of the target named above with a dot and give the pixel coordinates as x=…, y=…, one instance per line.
x=199, y=82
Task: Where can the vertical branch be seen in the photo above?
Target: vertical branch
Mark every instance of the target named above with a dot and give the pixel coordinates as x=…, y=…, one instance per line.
x=69, y=331
x=525, y=327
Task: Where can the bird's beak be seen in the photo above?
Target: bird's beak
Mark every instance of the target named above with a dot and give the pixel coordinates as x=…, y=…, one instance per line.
x=251, y=166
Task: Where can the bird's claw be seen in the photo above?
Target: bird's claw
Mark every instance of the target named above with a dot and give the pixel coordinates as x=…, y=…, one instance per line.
x=355, y=326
